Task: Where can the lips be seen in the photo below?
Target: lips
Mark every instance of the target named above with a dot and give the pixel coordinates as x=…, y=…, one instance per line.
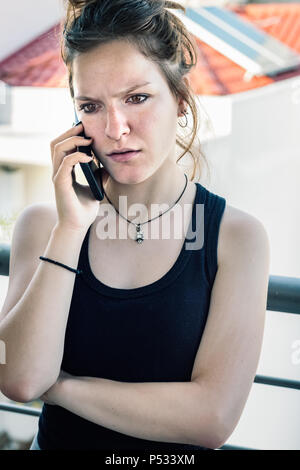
x=124, y=157
x=119, y=151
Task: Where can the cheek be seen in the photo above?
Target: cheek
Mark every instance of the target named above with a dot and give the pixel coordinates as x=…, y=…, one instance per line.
x=161, y=124
x=152, y=124
x=157, y=130
x=147, y=120
x=92, y=129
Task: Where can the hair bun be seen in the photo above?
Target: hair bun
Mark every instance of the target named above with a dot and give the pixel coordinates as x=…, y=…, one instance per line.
x=165, y=3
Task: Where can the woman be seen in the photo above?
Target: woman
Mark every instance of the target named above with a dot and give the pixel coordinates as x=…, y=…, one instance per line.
x=151, y=345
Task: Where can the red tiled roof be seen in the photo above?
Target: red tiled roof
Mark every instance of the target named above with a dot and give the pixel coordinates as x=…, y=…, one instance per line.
x=215, y=74
x=39, y=62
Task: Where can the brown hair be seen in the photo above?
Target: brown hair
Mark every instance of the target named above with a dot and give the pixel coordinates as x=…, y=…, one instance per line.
x=158, y=34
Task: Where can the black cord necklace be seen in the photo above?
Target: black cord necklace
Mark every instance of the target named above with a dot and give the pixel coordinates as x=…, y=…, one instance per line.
x=139, y=233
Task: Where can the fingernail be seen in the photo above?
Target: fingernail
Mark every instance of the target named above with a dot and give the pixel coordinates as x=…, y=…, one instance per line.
x=78, y=123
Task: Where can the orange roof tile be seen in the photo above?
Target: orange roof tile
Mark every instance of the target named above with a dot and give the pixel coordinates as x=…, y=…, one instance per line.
x=39, y=62
x=280, y=20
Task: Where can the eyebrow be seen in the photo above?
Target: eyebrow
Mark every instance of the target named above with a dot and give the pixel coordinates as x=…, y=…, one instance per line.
x=134, y=87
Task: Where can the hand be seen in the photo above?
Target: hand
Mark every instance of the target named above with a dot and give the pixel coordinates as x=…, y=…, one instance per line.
x=76, y=206
x=51, y=396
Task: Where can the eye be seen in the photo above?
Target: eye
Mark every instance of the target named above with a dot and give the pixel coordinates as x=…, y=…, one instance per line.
x=83, y=106
x=140, y=96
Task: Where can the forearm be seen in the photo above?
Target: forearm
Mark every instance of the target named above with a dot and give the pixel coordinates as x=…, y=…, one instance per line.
x=34, y=330
x=158, y=411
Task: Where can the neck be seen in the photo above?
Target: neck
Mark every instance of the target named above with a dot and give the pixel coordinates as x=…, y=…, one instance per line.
x=162, y=188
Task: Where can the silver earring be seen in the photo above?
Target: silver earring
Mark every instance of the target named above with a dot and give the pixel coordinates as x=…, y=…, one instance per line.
x=186, y=119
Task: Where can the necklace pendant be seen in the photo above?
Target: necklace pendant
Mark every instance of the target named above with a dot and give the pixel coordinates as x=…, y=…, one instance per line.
x=139, y=234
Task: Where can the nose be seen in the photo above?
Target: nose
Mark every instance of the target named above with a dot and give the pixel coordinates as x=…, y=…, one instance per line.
x=116, y=124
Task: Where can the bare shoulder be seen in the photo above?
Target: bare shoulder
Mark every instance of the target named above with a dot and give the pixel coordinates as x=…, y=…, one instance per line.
x=40, y=216
x=41, y=209
x=34, y=225
x=239, y=229
x=30, y=237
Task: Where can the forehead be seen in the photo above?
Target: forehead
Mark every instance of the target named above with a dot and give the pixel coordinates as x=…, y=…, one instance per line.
x=114, y=65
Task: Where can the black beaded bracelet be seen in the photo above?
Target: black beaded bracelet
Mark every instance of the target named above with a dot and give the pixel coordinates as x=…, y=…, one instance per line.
x=76, y=271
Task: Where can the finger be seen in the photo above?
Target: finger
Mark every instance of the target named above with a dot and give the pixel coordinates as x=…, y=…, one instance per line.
x=64, y=148
x=69, y=143
x=64, y=172
x=74, y=130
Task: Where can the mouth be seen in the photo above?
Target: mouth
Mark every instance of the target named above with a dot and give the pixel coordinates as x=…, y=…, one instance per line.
x=124, y=156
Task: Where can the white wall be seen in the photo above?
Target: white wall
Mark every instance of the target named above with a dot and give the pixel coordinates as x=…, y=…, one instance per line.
x=41, y=110
x=257, y=166
x=12, y=190
x=21, y=21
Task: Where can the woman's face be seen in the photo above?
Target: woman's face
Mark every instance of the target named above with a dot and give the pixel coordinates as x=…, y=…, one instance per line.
x=124, y=101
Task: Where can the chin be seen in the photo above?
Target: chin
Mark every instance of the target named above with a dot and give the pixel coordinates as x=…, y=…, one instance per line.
x=129, y=176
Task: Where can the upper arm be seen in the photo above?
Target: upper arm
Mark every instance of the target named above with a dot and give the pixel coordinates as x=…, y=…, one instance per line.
x=229, y=351
x=30, y=238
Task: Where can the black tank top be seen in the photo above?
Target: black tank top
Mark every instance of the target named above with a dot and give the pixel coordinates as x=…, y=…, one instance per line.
x=147, y=334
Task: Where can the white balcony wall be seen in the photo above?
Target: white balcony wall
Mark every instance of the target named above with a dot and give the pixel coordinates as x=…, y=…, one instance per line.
x=257, y=166
x=12, y=190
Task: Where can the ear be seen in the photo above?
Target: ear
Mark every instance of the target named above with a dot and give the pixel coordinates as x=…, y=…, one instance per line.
x=182, y=104
x=187, y=80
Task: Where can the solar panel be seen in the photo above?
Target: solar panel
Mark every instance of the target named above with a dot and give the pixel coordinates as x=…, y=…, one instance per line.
x=239, y=40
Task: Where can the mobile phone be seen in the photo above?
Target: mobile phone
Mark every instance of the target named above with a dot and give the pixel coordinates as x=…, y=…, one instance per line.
x=89, y=169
